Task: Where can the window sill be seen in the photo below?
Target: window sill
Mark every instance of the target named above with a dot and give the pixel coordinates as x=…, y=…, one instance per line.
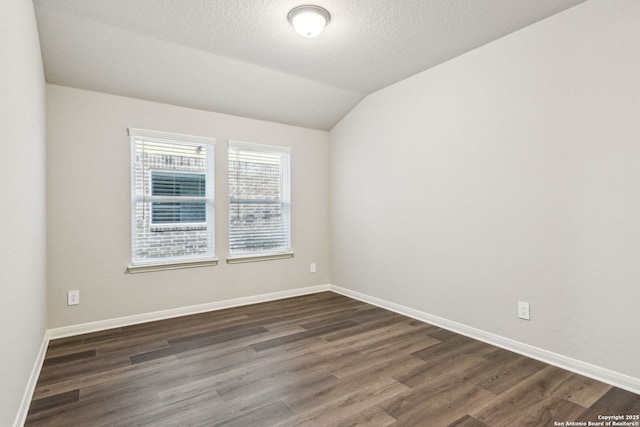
x=239, y=259
x=133, y=269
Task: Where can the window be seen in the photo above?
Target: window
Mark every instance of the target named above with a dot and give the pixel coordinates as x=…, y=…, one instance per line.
x=178, y=187
x=259, y=202
x=172, y=200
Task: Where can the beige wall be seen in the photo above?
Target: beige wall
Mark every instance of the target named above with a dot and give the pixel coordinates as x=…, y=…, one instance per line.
x=510, y=173
x=22, y=211
x=89, y=209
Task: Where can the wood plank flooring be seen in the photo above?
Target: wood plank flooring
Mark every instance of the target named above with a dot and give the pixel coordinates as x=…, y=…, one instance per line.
x=317, y=360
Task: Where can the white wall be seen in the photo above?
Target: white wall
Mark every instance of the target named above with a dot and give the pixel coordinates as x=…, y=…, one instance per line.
x=22, y=211
x=89, y=209
x=509, y=173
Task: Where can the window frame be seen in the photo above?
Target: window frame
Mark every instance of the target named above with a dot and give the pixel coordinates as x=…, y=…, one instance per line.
x=143, y=264
x=235, y=257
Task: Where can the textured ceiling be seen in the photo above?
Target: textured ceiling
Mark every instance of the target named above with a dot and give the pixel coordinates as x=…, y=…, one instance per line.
x=241, y=56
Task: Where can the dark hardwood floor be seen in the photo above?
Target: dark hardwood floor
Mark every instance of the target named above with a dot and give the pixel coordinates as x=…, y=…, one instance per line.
x=317, y=360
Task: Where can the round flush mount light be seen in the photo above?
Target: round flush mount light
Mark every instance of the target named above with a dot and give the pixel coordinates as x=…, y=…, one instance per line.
x=308, y=20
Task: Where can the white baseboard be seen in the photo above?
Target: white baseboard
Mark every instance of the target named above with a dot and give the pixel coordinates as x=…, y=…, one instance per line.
x=588, y=370
x=598, y=373
x=21, y=417
x=101, y=325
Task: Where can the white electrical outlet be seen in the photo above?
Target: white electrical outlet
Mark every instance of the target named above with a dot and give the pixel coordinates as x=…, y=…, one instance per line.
x=73, y=297
x=523, y=310
x=312, y=268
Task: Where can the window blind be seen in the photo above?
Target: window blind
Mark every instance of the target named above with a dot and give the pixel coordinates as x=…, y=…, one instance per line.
x=179, y=197
x=259, y=199
x=172, y=198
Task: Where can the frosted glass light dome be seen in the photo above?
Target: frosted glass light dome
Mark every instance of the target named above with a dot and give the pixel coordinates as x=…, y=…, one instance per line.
x=308, y=20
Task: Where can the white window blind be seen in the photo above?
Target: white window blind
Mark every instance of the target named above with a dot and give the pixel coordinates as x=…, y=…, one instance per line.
x=259, y=200
x=172, y=198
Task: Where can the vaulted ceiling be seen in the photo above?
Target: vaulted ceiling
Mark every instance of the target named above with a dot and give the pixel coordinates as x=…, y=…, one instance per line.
x=241, y=57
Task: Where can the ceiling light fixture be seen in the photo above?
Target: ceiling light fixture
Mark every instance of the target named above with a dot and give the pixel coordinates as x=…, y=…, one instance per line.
x=308, y=20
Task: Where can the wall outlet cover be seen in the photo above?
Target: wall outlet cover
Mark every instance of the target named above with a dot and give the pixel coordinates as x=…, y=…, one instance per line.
x=73, y=297
x=523, y=310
